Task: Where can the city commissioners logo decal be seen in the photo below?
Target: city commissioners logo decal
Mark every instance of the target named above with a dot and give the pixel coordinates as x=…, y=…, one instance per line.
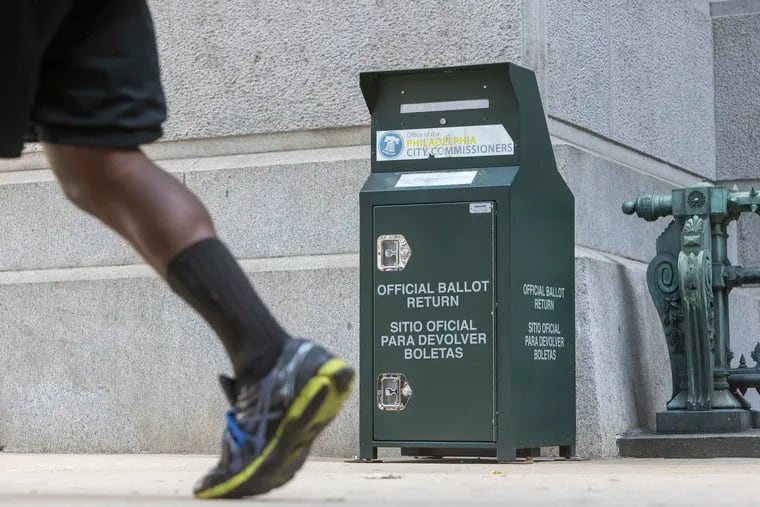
x=389, y=145
x=445, y=142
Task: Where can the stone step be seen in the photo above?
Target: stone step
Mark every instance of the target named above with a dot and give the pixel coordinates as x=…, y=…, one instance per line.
x=264, y=205
x=294, y=203
x=122, y=365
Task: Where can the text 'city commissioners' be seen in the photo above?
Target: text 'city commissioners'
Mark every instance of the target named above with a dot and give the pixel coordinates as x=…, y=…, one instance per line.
x=454, y=147
x=444, y=142
x=433, y=295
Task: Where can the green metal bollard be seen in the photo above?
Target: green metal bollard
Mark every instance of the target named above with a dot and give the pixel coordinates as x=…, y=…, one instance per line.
x=690, y=280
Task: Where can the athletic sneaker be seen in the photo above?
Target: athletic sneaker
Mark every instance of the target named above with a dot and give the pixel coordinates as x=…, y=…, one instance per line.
x=273, y=423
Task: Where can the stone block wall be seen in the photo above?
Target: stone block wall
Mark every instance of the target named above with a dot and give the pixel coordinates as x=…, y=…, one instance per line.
x=268, y=126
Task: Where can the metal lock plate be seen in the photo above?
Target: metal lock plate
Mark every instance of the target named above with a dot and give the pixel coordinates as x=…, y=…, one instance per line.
x=393, y=391
x=393, y=252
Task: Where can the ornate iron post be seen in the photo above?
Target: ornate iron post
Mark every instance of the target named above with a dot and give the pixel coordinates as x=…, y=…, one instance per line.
x=689, y=281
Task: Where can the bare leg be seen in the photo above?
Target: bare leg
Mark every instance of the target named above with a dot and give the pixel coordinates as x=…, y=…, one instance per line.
x=147, y=206
x=172, y=230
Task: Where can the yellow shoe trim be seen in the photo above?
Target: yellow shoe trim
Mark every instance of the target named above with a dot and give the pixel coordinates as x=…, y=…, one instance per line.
x=329, y=409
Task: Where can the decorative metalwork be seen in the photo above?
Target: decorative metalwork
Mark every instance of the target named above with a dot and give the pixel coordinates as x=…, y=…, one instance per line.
x=696, y=199
x=692, y=304
x=664, y=287
x=694, y=269
x=756, y=355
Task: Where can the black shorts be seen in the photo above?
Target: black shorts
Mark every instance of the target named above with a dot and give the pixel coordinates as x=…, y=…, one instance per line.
x=80, y=72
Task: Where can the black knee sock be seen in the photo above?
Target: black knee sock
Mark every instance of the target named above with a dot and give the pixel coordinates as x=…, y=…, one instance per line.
x=208, y=277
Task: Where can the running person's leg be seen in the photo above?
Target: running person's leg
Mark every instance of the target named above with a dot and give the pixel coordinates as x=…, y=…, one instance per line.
x=172, y=230
x=99, y=97
x=286, y=391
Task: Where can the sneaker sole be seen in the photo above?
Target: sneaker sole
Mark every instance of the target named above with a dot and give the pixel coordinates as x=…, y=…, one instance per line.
x=311, y=411
x=343, y=381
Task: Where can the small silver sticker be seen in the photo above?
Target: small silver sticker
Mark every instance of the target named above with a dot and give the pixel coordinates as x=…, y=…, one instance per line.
x=393, y=391
x=393, y=252
x=480, y=207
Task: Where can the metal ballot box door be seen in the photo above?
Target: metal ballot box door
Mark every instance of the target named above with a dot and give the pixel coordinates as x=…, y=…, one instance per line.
x=426, y=321
x=467, y=268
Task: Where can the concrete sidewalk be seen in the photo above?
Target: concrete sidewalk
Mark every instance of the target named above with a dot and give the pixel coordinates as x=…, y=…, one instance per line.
x=142, y=480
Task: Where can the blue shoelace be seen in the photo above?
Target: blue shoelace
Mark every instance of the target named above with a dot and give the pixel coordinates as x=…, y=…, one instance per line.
x=257, y=422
